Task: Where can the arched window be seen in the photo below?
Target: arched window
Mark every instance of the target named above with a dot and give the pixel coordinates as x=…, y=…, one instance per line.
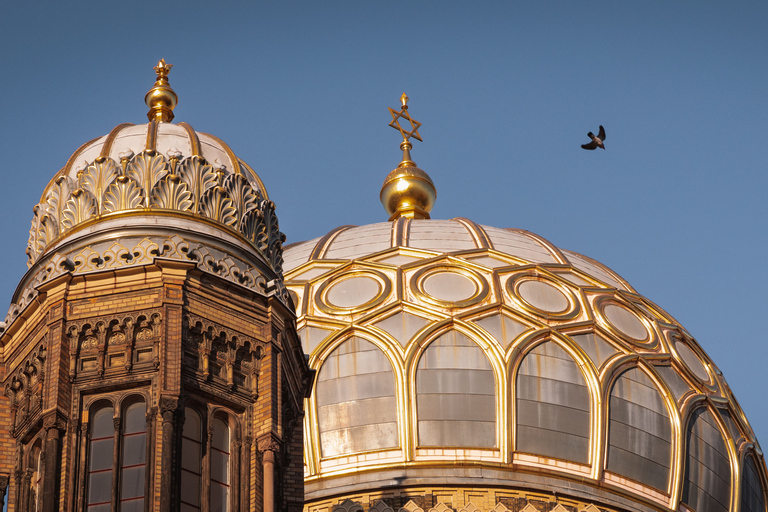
x=100, y=460
x=552, y=405
x=640, y=431
x=191, y=461
x=220, y=456
x=455, y=394
x=122, y=466
x=356, y=403
x=707, y=480
x=134, y=458
x=206, y=459
x=752, y=499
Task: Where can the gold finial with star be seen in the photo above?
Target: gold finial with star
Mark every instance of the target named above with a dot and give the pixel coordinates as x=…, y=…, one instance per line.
x=161, y=99
x=403, y=114
x=407, y=191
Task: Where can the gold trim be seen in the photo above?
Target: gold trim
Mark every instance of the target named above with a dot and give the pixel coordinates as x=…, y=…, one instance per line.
x=401, y=229
x=194, y=140
x=419, y=278
x=323, y=245
x=151, y=137
x=650, y=342
x=255, y=177
x=232, y=158
x=512, y=286
x=326, y=306
x=478, y=234
x=107, y=147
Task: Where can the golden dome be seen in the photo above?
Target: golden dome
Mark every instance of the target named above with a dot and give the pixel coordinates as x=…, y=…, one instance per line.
x=477, y=367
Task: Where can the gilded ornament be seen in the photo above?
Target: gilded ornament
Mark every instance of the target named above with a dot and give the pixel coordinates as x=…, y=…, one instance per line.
x=123, y=194
x=171, y=193
x=97, y=177
x=199, y=177
x=80, y=207
x=217, y=205
x=407, y=191
x=243, y=196
x=147, y=168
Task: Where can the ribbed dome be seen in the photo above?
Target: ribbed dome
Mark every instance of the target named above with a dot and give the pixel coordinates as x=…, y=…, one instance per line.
x=147, y=168
x=457, y=356
x=155, y=190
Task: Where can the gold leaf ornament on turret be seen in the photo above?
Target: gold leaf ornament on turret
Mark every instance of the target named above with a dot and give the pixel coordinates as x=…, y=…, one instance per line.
x=407, y=191
x=161, y=99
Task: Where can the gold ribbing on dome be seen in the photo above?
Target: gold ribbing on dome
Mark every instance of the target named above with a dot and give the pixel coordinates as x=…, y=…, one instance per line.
x=161, y=99
x=407, y=191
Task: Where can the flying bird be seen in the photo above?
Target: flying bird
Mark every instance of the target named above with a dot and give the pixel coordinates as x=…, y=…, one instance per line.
x=597, y=142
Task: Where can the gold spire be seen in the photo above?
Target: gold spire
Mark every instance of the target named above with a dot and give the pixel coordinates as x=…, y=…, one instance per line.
x=407, y=191
x=161, y=99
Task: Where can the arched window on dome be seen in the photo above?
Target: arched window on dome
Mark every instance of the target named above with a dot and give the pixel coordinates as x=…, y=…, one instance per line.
x=752, y=492
x=639, y=431
x=117, y=457
x=707, y=480
x=455, y=394
x=552, y=405
x=356, y=404
x=207, y=468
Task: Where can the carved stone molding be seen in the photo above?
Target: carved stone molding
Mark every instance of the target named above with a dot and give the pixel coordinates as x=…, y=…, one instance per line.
x=168, y=404
x=24, y=388
x=53, y=421
x=268, y=443
x=103, y=335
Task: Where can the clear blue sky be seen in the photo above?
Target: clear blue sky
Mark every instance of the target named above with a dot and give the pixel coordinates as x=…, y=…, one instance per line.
x=506, y=92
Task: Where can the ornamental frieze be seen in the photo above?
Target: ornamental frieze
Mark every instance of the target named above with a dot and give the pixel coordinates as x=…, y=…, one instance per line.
x=120, y=341
x=141, y=250
x=24, y=388
x=149, y=180
x=219, y=354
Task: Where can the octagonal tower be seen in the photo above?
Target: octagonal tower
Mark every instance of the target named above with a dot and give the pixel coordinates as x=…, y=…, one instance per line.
x=150, y=354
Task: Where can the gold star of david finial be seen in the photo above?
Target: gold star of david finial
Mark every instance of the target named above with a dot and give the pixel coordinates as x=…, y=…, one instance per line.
x=403, y=114
x=162, y=69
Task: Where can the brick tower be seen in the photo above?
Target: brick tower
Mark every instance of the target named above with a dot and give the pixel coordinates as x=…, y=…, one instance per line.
x=150, y=359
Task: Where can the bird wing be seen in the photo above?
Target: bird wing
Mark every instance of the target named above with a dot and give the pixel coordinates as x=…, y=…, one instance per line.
x=591, y=145
x=601, y=134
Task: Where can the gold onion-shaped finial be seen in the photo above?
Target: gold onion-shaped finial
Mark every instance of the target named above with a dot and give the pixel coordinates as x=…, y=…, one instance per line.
x=161, y=99
x=407, y=191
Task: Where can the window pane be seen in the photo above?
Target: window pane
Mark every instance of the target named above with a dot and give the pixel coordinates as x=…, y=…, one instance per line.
x=190, y=455
x=101, y=454
x=101, y=424
x=133, y=482
x=100, y=487
x=219, y=495
x=134, y=449
x=220, y=438
x=132, y=506
x=135, y=418
x=190, y=489
x=192, y=428
x=100, y=508
x=188, y=508
x=220, y=466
